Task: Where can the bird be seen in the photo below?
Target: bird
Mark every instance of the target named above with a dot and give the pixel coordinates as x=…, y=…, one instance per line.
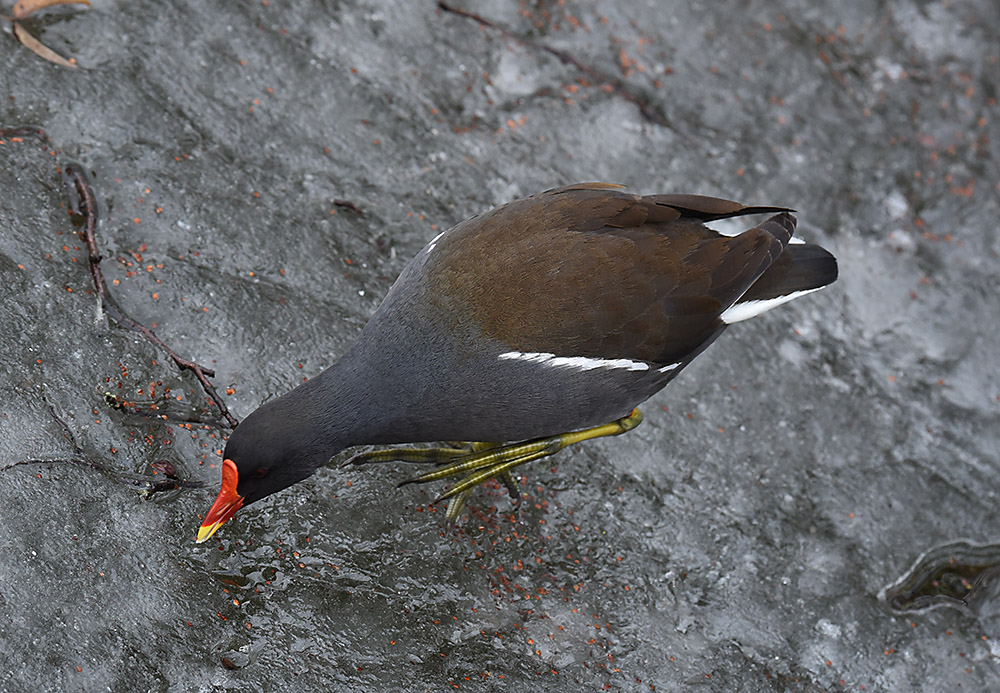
x=532, y=326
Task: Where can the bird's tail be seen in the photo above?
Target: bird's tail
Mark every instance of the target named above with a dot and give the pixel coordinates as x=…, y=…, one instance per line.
x=800, y=269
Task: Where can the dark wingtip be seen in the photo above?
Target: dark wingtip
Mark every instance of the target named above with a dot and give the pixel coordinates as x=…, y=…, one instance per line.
x=712, y=208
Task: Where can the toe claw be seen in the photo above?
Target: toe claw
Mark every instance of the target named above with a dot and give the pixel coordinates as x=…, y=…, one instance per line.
x=511, y=484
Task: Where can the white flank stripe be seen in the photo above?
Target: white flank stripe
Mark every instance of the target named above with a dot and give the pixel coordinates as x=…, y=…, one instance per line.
x=669, y=367
x=430, y=246
x=745, y=310
x=795, y=240
x=581, y=363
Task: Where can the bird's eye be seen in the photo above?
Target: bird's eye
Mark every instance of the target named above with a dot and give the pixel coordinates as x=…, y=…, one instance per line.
x=259, y=474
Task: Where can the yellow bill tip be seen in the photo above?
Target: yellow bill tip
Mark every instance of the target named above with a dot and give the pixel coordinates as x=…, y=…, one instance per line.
x=206, y=531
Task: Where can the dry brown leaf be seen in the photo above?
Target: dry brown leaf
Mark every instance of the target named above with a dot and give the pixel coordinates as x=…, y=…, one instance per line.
x=25, y=7
x=39, y=48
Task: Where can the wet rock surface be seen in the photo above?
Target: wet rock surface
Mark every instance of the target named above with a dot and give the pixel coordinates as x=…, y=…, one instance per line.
x=738, y=539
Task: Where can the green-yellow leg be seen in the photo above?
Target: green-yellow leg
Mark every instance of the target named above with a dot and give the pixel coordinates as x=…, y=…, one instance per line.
x=487, y=460
x=432, y=455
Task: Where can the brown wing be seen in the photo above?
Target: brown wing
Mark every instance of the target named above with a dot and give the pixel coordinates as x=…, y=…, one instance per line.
x=602, y=273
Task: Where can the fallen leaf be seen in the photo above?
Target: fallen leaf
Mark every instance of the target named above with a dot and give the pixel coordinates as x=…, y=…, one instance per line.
x=39, y=48
x=25, y=7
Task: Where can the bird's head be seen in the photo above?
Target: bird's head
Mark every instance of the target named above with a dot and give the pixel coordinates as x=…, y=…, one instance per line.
x=263, y=456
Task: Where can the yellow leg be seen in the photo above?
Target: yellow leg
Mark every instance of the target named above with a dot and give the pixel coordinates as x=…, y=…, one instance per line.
x=487, y=460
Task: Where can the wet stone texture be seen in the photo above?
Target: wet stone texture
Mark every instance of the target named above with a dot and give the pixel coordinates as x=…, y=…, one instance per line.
x=738, y=540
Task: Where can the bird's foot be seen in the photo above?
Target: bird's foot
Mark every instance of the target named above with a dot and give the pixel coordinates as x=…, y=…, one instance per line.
x=487, y=460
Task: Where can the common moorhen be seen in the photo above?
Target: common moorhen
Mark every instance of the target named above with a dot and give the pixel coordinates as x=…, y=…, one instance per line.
x=558, y=312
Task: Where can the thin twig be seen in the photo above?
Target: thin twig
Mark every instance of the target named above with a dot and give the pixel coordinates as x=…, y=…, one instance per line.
x=88, y=209
x=617, y=86
x=150, y=412
x=83, y=202
x=137, y=481
x=22, y=131
x=349, y=205
x=79, y=459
